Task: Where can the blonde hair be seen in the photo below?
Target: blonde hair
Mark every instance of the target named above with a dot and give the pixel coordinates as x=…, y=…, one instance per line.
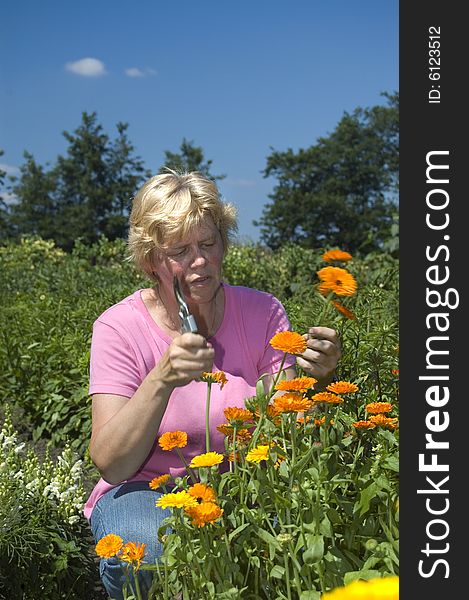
x=167, y=207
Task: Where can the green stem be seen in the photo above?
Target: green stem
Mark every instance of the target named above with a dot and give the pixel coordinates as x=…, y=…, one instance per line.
x=207, y=417
x=287, y=574
x=188, y=469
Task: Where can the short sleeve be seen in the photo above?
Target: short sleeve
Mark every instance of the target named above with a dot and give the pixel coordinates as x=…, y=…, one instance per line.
x=278, y=321
x=113, y=365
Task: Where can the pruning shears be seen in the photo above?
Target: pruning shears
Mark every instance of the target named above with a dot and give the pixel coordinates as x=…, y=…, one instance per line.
x=188, y=323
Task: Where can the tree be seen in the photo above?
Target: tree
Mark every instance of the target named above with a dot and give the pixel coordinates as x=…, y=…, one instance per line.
x=343, y=190
x=190, y=158
x=3, y=206
x=86, y=194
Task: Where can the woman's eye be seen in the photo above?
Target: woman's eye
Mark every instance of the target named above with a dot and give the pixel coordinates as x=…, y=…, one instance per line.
x=178, y=252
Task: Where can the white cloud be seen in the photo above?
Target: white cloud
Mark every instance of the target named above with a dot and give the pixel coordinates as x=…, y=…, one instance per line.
x=136, y=72
x=9, y=169
x=87, y=67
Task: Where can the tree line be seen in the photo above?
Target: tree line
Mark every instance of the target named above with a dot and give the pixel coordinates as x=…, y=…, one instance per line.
x=340, y=191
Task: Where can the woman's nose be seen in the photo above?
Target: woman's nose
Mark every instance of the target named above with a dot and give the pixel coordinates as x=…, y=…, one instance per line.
x=198, y=257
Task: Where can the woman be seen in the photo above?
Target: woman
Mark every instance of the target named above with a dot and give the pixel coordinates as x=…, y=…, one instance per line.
x=144, y=371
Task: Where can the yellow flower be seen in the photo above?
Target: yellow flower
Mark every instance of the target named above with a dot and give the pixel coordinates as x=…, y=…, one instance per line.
x=258, y=453
x=159, y=481
x=299, y=384
x=292, y=402
x=204, y=514
x=327, y=397
x=337, y=280
x=342, y=387
x=379, y=588
x=344, y=310
x=109, y=545
x=288, y=341
x=217, y=377
x=237, y=416
x=133, y=553
x=364, y=425
x=382, y=421
x=331, y=255
x=376, y=408
x=209, y=459
x=202, y=492
x=173, y=439
x=180, y=499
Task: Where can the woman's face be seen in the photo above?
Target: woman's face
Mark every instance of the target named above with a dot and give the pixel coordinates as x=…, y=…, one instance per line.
x=196, y=260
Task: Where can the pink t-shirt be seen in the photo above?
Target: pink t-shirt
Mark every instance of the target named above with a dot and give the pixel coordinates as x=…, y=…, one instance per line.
x=127, y=343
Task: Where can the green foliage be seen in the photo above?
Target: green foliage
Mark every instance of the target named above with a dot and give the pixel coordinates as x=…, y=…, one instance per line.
x=48, y=302
x=44, y=545
x=340, y=191
x=85, y=194
x=189, y=158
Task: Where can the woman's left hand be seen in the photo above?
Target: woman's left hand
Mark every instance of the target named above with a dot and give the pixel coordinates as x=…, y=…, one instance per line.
x=322, y=354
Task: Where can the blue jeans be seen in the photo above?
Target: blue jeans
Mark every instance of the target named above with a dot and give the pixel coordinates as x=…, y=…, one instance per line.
x=128, y=510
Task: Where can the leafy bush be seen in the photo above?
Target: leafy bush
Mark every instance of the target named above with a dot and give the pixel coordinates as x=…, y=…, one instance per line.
x=44, y=538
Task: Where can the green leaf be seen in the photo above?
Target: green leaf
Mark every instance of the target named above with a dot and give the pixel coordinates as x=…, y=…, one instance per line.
x=278, y=572
x=314, y=550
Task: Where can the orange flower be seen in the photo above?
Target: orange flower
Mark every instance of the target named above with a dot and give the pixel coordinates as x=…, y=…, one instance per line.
x=159, y=481
x=208, y=459
x=289, y=342
x=363, y=425
x=217, y=377
x=376, y=408
x=292, y=402
x=109, y=545
x=133, y=553
x=202, y=492
x=242, y=435
x=204, y=514
x=237, y=416
x=382, y=421
x=173, y=439
x=303, y=420
x=337, y=280
x=299, y=384
x=331, y=255
x=344, y=310
x=231, y=456
x=342, y=387
x=327, y=397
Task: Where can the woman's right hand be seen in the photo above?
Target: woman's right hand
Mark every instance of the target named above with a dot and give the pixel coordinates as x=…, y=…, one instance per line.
x=188, y=356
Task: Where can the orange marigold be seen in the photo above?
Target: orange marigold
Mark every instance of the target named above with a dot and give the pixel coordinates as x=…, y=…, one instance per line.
x=363, y=425
x=133, y=552
x=327, y=397
x=337, y=280
x=204, y=514
x=217, y=377
x=344, y=310
x=382, y=421
x=237, y=416
x=202, y=492
x=173, y=439
x=299, y=384
x=109, y=545
x=331, y=255
x=159, y=481
x=289, y=342
x=376, y=408
x=342, y=387
x=292, y=402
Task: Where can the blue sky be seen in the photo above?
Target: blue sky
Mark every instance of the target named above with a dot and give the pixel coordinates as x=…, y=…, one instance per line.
x=238, y=78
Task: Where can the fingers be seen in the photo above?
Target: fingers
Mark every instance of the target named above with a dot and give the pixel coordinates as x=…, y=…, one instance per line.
x=190, y=355
x=322, y=353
